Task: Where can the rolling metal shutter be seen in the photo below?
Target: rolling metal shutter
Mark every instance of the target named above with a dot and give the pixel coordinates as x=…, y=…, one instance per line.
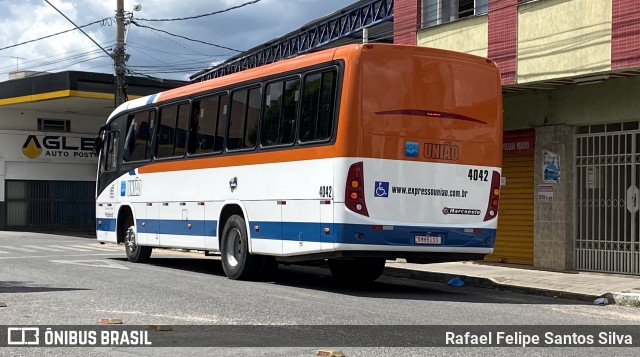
x=514, y=242
x=50, y=205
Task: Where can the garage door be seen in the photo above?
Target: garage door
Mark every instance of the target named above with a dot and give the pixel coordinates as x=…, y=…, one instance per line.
x=514, y=242
x=50, y=205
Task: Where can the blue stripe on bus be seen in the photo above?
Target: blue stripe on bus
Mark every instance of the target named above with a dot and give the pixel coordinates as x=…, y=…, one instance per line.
x=152, y=98
x=178, y=227
x=165, y=226
x=366, y=234
x=314, y=232
x=108, y=224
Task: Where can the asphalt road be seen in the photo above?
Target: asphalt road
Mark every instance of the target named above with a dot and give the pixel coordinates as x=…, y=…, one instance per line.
x=65, y=280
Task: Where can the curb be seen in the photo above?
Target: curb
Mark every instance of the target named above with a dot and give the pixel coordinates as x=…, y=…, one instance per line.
x=626, y=298
x=488, y=283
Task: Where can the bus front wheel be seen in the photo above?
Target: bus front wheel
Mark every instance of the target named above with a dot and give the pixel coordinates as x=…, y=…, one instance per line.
x=358, y=269
x=237, y=262
x=135, y=252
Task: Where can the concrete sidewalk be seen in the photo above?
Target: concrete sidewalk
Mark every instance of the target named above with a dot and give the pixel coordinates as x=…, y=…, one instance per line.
x=586, y=286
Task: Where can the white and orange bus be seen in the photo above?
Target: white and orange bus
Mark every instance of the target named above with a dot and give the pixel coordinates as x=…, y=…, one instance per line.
x=351, y=155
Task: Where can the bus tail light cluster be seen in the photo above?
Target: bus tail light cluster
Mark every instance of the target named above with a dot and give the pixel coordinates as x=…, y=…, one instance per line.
x=354, y=190
x=494, y=197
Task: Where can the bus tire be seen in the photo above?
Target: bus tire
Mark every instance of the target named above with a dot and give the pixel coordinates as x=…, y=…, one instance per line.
x=237, y=262
x=358, y=269
x=135, y=253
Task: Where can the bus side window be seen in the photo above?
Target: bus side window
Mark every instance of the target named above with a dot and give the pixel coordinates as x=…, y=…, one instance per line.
x=111, y=151
x=316, y=120
x=194, y=122
x=206, y=118
x=139, y=134
x=181, y=130
x=280, y=113
x=244, y=119
x=166, y=135
x=223, y=112
x=253, y=117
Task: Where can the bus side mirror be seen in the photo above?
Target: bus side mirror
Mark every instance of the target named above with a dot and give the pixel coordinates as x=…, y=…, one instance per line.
x=97, y=145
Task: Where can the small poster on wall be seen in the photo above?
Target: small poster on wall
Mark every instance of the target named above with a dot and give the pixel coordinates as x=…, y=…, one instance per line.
x=551, y=167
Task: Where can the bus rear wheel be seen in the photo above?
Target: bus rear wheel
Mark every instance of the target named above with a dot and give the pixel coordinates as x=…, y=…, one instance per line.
x=358, y=269
x=237, y=262
x=135, y=252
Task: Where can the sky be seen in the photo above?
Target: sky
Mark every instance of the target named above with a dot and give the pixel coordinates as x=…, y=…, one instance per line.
x=153, y=53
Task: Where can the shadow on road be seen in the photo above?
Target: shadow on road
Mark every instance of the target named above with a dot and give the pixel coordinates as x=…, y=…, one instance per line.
x=320, y=279
x=15, y=287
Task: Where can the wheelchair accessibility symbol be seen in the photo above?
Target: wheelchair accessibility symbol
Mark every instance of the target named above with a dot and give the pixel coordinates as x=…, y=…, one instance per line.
x=381, y=189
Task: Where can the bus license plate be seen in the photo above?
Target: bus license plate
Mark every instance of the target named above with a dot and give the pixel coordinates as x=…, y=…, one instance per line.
x=428, y=240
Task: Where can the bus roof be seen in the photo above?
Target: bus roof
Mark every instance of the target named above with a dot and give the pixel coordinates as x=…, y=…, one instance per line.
x=305, y=60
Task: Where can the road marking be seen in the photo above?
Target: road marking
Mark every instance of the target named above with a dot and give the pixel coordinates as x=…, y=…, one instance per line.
x=48, y=249
x=93, y=263
x=3, y=252
x=24, y=250
x=92, y=248
x=49, y=256
x=72, y=248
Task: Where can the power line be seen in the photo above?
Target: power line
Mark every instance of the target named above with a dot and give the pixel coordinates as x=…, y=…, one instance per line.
x=56, y=34
x=65, y=16
x=184, y=37
x=204, y=15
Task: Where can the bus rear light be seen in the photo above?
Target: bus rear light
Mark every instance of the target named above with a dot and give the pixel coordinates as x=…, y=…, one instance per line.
x=354, y=193
x=494, y=197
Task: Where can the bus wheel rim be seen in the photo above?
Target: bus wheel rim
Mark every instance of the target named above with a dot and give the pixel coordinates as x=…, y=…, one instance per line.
x=131, y=240
x=235, y=248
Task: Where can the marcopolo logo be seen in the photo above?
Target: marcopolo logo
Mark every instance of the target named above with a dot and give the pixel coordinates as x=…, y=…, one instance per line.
x=58, y=146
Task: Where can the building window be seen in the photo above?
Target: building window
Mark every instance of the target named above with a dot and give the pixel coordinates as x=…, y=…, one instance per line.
x=436, y=12
x=54, y=125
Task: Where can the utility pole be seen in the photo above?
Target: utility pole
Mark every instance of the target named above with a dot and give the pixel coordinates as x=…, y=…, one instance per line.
x=119, y=56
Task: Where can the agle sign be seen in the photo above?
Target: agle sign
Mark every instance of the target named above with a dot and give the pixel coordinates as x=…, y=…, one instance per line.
x=57, y=146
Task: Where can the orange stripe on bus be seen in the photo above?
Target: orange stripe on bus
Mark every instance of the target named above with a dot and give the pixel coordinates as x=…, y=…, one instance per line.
x=242, y=159
x=248, y=75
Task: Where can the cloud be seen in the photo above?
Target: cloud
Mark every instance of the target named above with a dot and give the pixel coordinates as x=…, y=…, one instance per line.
x=152, y=52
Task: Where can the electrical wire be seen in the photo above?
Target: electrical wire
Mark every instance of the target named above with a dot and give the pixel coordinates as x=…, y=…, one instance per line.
x=102, y=21
x=204, y=15
x=184, y=37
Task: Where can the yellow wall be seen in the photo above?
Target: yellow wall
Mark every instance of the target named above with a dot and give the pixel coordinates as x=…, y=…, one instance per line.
x=562, y=38
x=467, y=35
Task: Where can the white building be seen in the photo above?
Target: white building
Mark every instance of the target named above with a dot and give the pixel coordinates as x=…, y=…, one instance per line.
x=48, y=122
